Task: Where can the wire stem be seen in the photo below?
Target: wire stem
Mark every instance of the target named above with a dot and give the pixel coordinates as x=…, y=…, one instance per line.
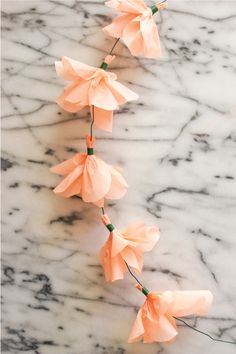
x=132, y=274
x=111, y=51
x=204, y=333
x=91, y=126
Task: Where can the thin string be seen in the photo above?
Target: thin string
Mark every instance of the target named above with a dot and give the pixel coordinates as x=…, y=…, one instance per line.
x=204, y=333
x=162, y=2
x=91, y=126
x=181, y=320
x=132, y=274
x=117, y=40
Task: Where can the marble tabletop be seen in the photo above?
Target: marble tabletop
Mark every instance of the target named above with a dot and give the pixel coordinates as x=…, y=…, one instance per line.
x=177, y=148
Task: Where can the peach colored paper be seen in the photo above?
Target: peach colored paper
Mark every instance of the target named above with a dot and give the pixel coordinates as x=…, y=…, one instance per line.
x=89, y=177
x=155, y=321
x=136, y=27
x=92, y=87
x=127, y=246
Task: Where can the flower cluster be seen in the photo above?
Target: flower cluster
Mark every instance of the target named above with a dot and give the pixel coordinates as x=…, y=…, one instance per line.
x=89, y=177
x=136, y=26
x=156, y=320
x=126, y=248
x=93, y=87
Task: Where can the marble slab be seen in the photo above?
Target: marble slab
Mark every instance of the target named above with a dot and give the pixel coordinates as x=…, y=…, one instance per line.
x=177, y=148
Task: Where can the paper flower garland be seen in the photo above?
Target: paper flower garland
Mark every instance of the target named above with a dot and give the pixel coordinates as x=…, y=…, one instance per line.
x=156, y=322
x=136, y=27
x=92, y=87
x=126, y=247
x=89, y=177
x=92, y=179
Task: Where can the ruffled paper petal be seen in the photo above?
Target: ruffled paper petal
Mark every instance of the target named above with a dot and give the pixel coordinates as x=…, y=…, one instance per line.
x=118, y=243
x=117, y=269
x=114, y=267
x=151, y=41
x=71, y=185
x=118, y=185
x=115, y=29
x=96, y=179
x=141, y=37
x=113, y=256
x=101, y=96
x=121, y=93
x=73, y=170
x=185, y=303
x=133, y=38
x=103, y=119
x=65, y=104
x=159, y=331
x=68, y=166
x=137, y=331
x=144, y=237
x=70, y=69
x=78, y=94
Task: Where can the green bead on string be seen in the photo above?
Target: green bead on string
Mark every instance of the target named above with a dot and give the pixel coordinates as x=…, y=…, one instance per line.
x=110, y=227
x=90, y=151
x=104, y=66
x=145, y=291
x=154, y=9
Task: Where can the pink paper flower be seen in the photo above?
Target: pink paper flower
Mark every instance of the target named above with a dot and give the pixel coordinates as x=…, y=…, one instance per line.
x=89, y=177
x=127, y=246
x=93, y=87
x=155, y=321
x=136, y=27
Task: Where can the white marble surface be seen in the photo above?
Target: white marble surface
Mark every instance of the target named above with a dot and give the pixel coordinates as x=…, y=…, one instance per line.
x=177, y=146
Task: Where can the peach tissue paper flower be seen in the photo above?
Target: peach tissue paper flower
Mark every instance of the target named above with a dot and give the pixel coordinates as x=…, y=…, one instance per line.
x=90, y=178
x=93, y=87
x=156, y=321
x=126, y=247
x=136, y=27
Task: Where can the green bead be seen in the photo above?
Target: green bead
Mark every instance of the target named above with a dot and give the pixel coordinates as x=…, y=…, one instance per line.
x=110, y=227
x=145, y=291
x=154, y=9
x=104, y=66
x=90, y=151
